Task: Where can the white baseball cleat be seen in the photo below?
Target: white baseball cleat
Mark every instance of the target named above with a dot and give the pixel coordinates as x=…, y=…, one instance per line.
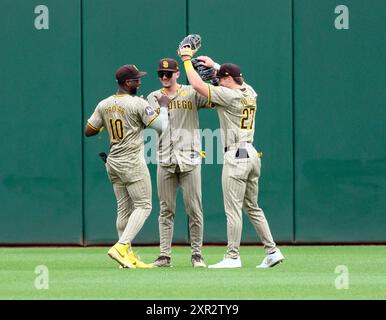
x=227, y=263
x=271, y=260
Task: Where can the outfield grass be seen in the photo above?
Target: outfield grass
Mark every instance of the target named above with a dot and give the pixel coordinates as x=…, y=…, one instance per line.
x=88, y=273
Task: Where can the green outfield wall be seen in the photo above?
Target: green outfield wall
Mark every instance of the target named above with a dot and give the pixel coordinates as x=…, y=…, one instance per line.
x=319, y=70
x=340, y=120
x=41, y=142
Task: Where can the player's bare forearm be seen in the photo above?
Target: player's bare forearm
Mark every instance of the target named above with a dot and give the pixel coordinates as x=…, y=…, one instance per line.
x=194, y=78
x=89, y=131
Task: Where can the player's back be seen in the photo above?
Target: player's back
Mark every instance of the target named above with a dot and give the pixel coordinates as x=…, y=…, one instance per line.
x=122, y=117
x=236, y=110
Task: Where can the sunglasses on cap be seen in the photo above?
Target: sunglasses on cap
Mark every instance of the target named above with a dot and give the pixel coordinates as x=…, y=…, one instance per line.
x=167, y=74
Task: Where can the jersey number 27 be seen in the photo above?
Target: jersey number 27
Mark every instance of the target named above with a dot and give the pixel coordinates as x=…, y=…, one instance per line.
x=247, y=119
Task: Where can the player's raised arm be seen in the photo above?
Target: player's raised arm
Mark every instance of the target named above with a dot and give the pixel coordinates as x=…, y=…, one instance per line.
x=208, y=63
x=188, y=46
x=194, y=78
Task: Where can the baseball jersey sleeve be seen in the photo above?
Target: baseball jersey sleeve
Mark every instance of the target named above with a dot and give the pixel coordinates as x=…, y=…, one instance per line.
x=96, y=121
x=220, y=96
x=201, y=101
x=147, y=113
x=153, y=102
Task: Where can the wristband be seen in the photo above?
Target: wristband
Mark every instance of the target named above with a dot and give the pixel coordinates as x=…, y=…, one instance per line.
x=188, y=65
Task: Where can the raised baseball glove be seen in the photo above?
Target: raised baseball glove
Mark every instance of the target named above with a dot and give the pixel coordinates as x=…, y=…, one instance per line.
x=206, y=74
x=189, y=45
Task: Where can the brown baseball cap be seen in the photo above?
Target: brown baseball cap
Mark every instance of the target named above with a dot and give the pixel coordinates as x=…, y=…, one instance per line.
x=168, y=64
x=229, y=69
x=128, y=72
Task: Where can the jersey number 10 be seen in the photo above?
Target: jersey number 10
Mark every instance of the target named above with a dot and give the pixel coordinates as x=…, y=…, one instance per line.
x=116, y=129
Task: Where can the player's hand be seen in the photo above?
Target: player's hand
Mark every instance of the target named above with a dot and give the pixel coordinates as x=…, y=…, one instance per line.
x=185, y=53
x=163, y=101
x=206, y=61
x=189, y=46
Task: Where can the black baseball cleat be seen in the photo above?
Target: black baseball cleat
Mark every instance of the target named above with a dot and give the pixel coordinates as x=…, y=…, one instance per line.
x=198, y=261
x=162, y=261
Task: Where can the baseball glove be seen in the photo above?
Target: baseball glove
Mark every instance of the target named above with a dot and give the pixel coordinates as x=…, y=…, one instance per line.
x=189, y=45
x=206, y=74
x=103, y=156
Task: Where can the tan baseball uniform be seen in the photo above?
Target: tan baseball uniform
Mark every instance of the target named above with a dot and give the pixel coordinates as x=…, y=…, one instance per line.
x=241, y=169
x=179, y=159
x=125, y=117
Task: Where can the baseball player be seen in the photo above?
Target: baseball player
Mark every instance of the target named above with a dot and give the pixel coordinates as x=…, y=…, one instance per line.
x=179, y=159
x=236, y=104
x=125, y=115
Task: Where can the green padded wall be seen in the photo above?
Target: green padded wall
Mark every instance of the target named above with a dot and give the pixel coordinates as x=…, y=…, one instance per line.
x=257, y=36
x=340, y=132
x=320, y=122
x=116, y=33
x=41, y=171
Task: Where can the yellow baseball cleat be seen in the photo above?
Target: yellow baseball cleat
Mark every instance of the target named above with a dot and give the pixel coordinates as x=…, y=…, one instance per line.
x=119, y=252
x=137, y=262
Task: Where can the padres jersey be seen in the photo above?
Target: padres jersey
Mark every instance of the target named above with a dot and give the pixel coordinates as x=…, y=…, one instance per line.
x=124, y=117
x=180, y=143
x=236, y=111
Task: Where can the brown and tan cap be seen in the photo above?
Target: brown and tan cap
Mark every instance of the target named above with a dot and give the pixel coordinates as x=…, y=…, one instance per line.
x=128, y=72
x=229, y=69
x=167, y=64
